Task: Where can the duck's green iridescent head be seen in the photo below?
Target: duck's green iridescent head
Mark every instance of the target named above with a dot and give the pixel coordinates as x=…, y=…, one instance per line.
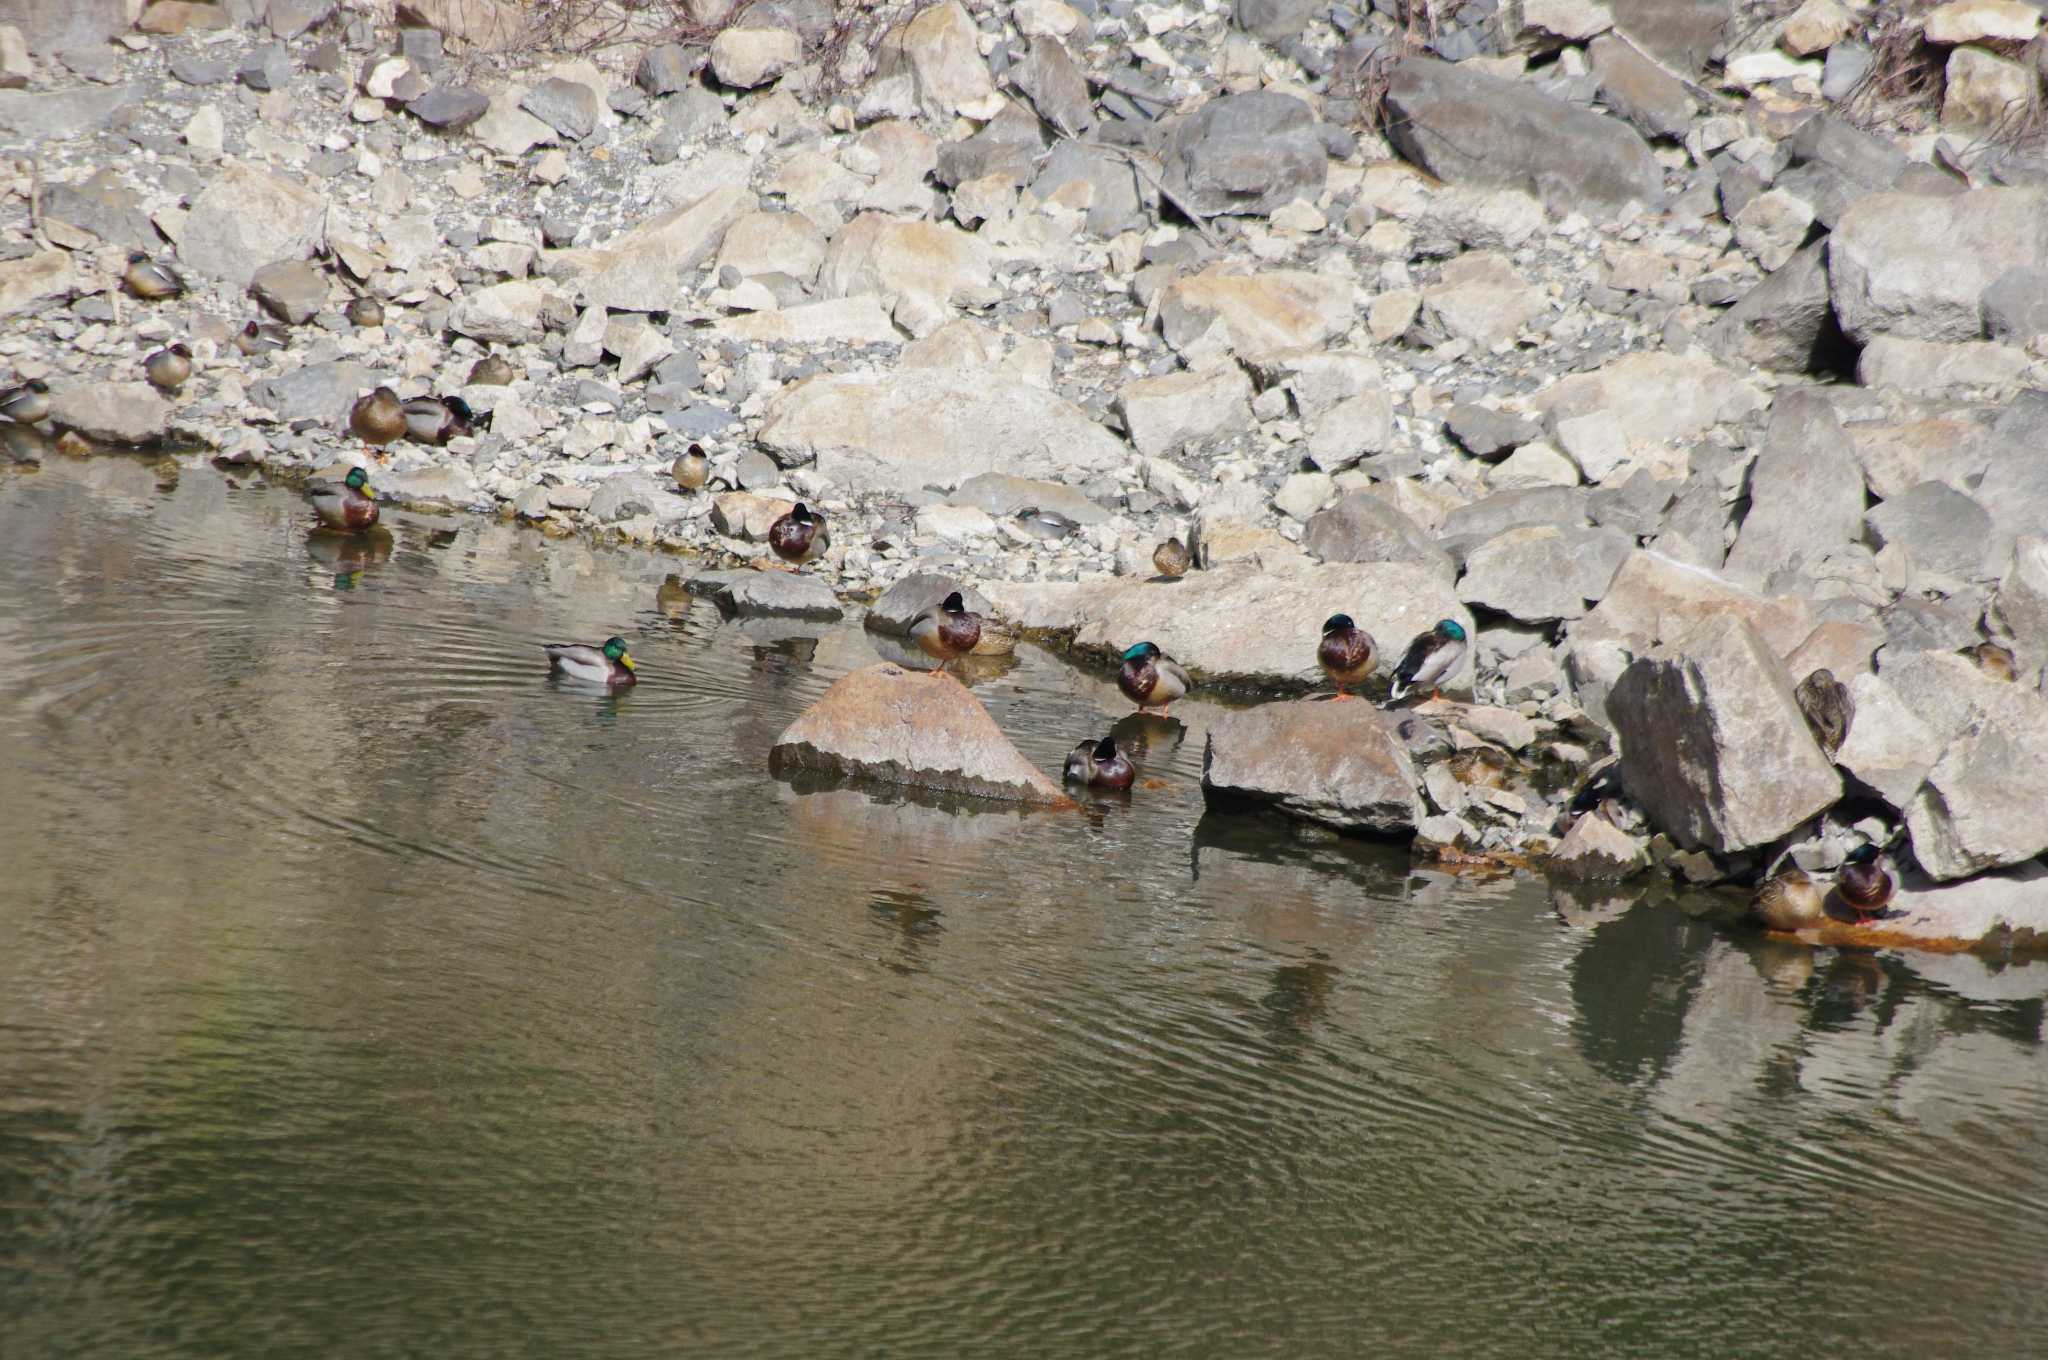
x=1451, y=629
x=615, y=650
x=356, y=480
x=1144, y=651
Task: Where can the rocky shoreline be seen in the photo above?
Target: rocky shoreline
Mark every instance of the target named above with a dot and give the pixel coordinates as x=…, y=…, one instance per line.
x=1677, y=349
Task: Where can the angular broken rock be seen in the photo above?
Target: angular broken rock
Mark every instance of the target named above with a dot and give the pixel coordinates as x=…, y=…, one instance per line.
x=1805, y=492
x=1246, y=153
x=642, y=269
x=1166, y=413
x=1901, y=264
x=1655, y=599
x=113, y=413
x=1984, y=802
x=785, y=593
x=1596, y=849
x=1338, y=764
x=247, y=218
x=893, y=726
x=1888, y=749
x=1254, y=313
x=1713, y=745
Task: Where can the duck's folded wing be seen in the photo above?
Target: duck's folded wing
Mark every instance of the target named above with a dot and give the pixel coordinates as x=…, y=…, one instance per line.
x=575, y=653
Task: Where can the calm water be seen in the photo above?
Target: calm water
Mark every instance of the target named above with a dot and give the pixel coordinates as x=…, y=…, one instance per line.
x=363, y=992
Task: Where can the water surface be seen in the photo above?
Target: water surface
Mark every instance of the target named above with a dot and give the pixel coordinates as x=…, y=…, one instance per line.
x=365, y=992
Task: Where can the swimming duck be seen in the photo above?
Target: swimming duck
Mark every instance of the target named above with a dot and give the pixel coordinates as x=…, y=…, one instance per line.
x=168, y=368
x=26, y=404
x=351, y=504
x=364, y=311
x=492, y=371
x=606, y=665
x=947, y=630
x=1432, y=658
x=260, y=337
x=150, y=281
x=799, y=536
x=1863, y=884
x=1172, y=558
x=1993, y=659
x=1346, y=653
x=377, y=418
x=1828, y=708
x=1151, y=679
x=1789, y=900
x=1100, y=765
x=691, y=468
x=436, y=420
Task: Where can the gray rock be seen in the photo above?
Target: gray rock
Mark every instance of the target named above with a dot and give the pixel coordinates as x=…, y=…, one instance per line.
x=756, y=471
x=266, y=68
x=1350, y=430
x=1888, y=749
x=1001, y=495
x=1116, y=204
x=319, y=393
x=52, y=25
x=113, y=413
x=63, y=114
x=618, y=498
x=894, y=726
x=290, y=290
x=1787, y=322
x=2016, y=304
x=1847, y=64
x=1653, y=599
x=1167, y=413
x=1504, y=510
x=1805, y=492
x=1831, y=163
x=2014, y=488
x=247, y=218
x=2022, y=605
x=1940, y=527
x=700, y=420
x=1683, y=34
x=568, y=106
x=104, y=206
x=1468, y=128
x=1904, y=265
x=1246, y=153
x=1653, y=101
x=449, y=107
x=1336, y=764
x=902, y=602
x=191, y=68
x=1635, y=507
x=787, y=593
x=1486, y=433
x=1713, y=745
x=1009, y=146
x=1054, y=83
x=1984, y=803
x=289, y=18
x=1541, y=573
x=641, y=269
x=1361, y=527
x=1274, y=21
x=1596, y=850
x=665, y=69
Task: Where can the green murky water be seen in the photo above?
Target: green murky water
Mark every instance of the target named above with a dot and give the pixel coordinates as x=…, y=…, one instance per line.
x=363, y=992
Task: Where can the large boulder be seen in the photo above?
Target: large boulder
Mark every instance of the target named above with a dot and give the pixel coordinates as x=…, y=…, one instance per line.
x=1787, y=322
x=2014, y=487
x=320, y=392
x=1912, y=266
x=113, y=413
x=1683, y=34
x=641, y=270
x=1651, y=397
x=1466, y=127
x=1362, y=527
x=1253, y=313
x=918, y=428
x=1940, y=527
x=1543, y=572
x=247, y=218
x=59, y=115
x=1805, y=492
x=1339, y=764
x=1246, y=153
x=54, y=25
x=1713, y=745
x=1888, y=749
x=1984, y=802
x=2022, y=604
x=1656, y=599
x=1239, y=623
x=893, y=726
x=932, y=262
x=27, y=283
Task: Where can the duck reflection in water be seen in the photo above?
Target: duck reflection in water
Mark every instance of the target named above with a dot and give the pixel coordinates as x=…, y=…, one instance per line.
x=1150, y=739
x=785, y=659
x=1300, y=996
x=673, y=599
x=348, y=555
x=909, y=914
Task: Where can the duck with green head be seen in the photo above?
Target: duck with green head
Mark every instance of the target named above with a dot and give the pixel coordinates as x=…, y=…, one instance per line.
x=1100, y=765
x=436, y=420
x=609, y=665
x=1151, y=679
x=1432, y=658
x=348, y=504
x=1864, y=885
x=1346, y=653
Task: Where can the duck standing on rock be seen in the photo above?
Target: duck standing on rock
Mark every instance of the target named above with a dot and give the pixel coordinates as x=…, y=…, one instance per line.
x=1346, y=653
x=1828, y=708
x=1172, y=559
x=378, y=418
x=946, y=631
x=1864, y=885
x=260, y=337
x=691, y=469
x=1789, y=900
x=27, y=404
x=150, y=281
x=436, y=420
x=1100, y=765
x=493, y=370
x=1151, y=679
x=1432, y=658
x=364, y=311
x=1994, y=659
x=800, y=536
x=609, y=665
x=349, y=504
x=168, y=368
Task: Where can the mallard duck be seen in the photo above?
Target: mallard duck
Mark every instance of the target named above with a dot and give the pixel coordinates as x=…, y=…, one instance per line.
x=691, y=468
x=1432, y=658
x=1172, y=559
x=800, y=536
x=1789, y=900
x=1346, y=653
x=150, y=281
x=377, y=418
x=261, y=337
x=492, y=371
x=26, y=404
x=1828, y=708
x=1994, y=659
x=1100, y=765
x=349, y=504
x=1047, y=523
x=946, y=631
x=436, y=420
x=1863, y=883
x=168, y=368
x=1151, y=679
x=364, y=311
x=606, y=665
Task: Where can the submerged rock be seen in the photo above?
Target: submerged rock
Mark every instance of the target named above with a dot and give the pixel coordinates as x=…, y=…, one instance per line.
x=1339, y=764
x=894, y=726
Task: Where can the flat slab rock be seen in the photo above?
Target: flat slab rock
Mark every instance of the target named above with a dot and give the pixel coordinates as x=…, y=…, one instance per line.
x=1340, y=764
x=785, y=593
x=893, y=726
